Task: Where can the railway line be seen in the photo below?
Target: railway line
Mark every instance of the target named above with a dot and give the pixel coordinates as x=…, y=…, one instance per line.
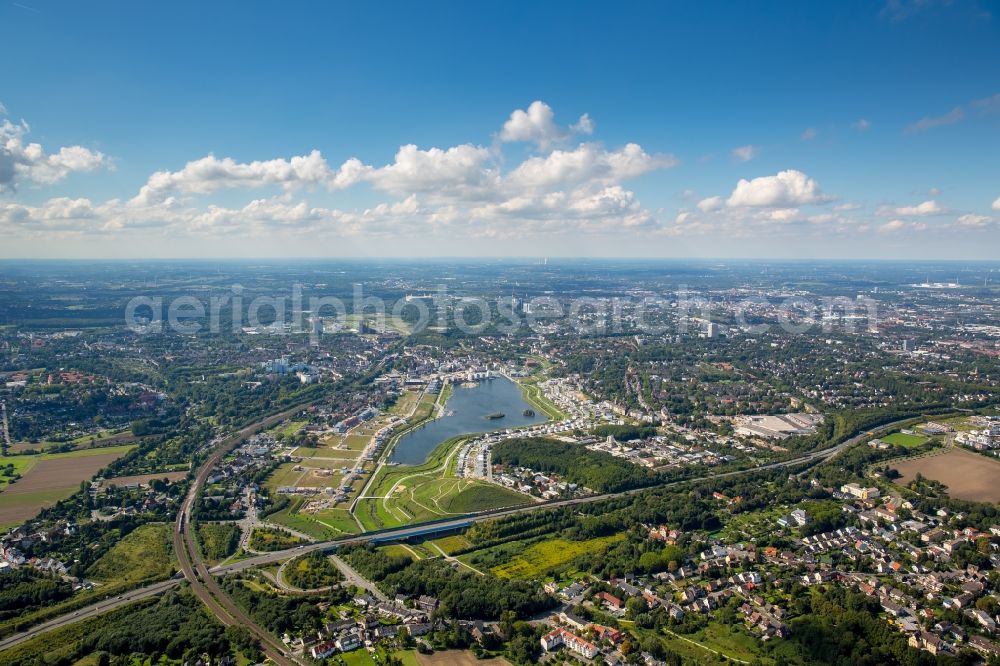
x=203, y=581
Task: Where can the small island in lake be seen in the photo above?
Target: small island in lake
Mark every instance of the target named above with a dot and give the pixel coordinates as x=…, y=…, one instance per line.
x=495, y=415
x=528, y=412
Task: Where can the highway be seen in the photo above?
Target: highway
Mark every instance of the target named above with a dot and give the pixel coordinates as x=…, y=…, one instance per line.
x=87, y=612
x=203, y=579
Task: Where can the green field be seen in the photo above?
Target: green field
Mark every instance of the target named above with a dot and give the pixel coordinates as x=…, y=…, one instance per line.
x=541, y=559
x=397, y=550
x=902, y=439
x=959, y=423
x=325, y=524
x=284, y=475
x=534, y=396
x=483, y=496
x=390, y=323
x=15, y=465
x=311, y=572
x=78, y=453
x=452, y=544
x=359, y=657
x=144, y=555
x=95, y=439
x=407, y=494
x=47, y=478
x=266, y=539
x=217, y=540
x=290, y=428
x=404, y=403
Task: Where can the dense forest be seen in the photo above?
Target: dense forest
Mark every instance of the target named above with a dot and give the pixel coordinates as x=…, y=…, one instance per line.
x=24, y=588
x=601, y=472
x=463, y=594
x=176, y=626
x=278, y=613
x=312, y=571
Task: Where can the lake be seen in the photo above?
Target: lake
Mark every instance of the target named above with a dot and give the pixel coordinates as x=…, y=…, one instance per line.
x=466, y=413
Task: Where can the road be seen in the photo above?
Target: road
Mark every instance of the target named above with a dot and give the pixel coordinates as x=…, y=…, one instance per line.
x=88, y=612
x=357, y=580
x=398, y=534
x=5, y=425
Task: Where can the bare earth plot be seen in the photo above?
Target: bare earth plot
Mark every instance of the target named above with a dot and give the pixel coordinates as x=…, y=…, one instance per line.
x=969, y=476
x=48, y=481
x=122, y=481
x=458, y=658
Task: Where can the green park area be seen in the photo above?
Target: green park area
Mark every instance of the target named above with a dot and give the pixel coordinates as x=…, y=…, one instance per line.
x=146, y=554
x=321, y=525
x=904, y=439
x=407, y=494
x=551, y=558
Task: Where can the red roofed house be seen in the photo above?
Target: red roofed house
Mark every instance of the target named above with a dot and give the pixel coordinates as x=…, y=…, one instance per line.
x=610, y=599
x=560, y=637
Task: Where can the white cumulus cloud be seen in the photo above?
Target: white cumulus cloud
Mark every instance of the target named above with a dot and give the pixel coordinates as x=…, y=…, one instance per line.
x=537, y=125
x=29, y=162
x=711, y=203
x=785, y=189
x=211, y=174
x=897, y=226
x=465, y=189
x=973, y=221
x=924, y=208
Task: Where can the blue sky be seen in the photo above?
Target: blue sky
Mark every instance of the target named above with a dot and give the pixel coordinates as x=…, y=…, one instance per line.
x=861, y=129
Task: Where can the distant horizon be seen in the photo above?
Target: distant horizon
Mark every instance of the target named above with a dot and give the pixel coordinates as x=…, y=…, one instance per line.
x=531, y=260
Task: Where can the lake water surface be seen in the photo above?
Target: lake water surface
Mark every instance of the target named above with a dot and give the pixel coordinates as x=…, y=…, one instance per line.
x=466, y=413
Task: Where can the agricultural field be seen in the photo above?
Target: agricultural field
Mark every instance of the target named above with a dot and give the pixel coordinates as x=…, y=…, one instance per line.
x=48, y=478
x=144, y=555
x=903, y=439
x=94, y=440
x=968, y=476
